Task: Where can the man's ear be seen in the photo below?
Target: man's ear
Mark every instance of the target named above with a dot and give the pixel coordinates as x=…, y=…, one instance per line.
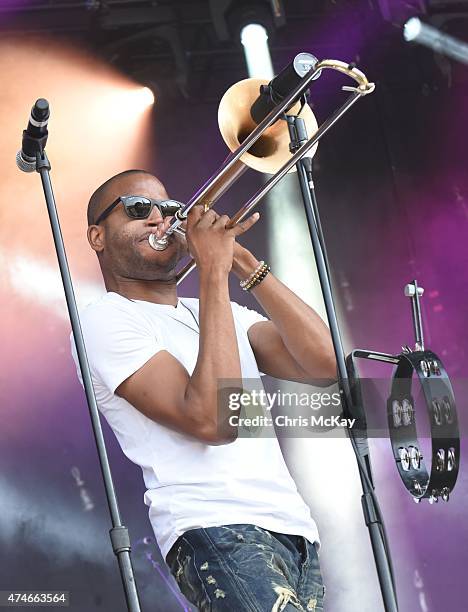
x=96, y=237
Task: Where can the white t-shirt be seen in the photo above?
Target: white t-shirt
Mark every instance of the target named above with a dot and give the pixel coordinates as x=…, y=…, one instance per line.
x=189, y=484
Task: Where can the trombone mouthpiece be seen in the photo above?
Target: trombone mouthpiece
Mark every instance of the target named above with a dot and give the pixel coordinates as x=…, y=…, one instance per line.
x=158, y=244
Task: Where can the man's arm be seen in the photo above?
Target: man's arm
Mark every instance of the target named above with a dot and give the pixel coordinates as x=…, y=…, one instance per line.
x=296, y=343
x=164, y=391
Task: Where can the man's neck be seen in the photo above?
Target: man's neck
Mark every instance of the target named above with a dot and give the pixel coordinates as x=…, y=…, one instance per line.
x=148, y=291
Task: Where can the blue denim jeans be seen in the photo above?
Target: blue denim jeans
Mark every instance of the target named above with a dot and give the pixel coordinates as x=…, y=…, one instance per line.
x=244, y=568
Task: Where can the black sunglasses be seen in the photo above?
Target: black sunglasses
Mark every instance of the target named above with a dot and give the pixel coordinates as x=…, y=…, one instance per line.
x=140, y=207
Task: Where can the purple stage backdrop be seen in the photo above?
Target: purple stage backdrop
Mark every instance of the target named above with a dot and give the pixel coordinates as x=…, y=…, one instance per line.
x=392, y=186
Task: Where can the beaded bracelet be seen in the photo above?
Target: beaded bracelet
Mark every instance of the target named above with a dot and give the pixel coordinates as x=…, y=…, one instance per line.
x=258, y=280
x=250, y=278
x=256, y=277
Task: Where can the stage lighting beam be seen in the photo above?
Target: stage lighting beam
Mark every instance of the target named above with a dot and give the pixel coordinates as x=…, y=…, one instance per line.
x=284, y=216
x=254, y=38
x=304, y=281
x=416, y=31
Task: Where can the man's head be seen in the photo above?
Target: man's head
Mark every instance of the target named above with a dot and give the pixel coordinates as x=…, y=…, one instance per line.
x=121, y=243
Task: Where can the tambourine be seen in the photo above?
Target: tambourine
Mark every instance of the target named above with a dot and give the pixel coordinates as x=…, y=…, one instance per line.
x=441, y=411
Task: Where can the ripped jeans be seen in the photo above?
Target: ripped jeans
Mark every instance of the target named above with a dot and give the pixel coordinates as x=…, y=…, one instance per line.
x=244, y=568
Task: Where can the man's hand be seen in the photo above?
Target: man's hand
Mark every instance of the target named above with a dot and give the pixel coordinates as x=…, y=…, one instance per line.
x=210, y=242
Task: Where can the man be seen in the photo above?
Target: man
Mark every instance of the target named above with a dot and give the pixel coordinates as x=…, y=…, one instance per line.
x=226, y=513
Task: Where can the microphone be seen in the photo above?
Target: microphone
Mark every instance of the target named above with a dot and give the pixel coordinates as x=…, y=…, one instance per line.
x=34, y=136
x=282, y=85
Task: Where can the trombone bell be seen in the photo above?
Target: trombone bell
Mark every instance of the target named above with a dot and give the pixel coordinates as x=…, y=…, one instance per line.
x=271, y=151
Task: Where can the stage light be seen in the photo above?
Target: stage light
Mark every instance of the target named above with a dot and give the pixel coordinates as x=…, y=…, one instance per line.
x=133, y=101
x=231, y=16
x=126, y=104
x=254, y=38
x=412, y=28
x=416, y=31
x=97, y=129
x=141, y=98
x=146, y=96
x=253, y=33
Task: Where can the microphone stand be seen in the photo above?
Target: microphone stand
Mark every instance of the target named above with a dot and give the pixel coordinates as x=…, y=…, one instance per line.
x=119, y=533
x=350, y=394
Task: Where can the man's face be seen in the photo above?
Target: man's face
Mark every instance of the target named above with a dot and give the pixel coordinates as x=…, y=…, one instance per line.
x=123, y=242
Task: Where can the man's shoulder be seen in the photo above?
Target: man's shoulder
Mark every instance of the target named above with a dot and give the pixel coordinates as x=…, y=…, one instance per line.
x=104, y=308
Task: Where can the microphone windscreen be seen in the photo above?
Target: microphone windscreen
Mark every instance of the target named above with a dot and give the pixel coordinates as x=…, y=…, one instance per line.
x=25, y=165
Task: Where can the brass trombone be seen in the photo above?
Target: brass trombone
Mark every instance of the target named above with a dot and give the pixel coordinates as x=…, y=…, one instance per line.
x=264, y=147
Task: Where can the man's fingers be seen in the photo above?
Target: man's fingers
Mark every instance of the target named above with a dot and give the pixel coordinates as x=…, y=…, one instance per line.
x=243, y=226
x=221, y=220
x=208, y=218
x=195, y=214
